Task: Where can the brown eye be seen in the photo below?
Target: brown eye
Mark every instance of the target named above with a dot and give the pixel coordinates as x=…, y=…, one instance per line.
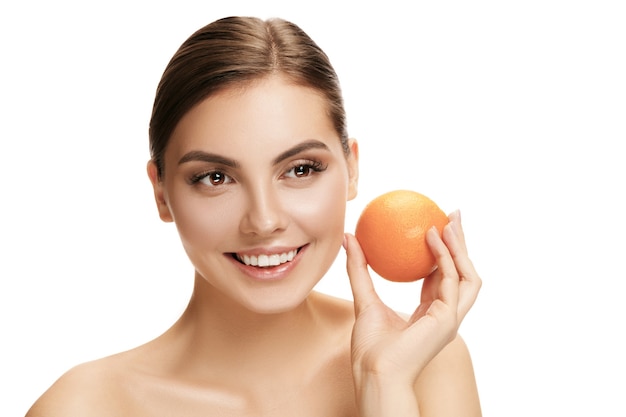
x=215, y=178
x=302, y=170
x=211, y=178
x=305, y=169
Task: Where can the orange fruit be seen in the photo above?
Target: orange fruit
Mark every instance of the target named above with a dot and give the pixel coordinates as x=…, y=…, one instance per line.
x=392, y=233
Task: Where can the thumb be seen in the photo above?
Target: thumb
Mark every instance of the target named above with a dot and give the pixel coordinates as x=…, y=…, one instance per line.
x=360, y=280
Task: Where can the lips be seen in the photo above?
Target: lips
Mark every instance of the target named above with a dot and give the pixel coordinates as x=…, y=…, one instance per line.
x=266, y=260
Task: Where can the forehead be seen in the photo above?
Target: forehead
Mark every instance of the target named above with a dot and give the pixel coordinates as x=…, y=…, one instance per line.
x=267, y=113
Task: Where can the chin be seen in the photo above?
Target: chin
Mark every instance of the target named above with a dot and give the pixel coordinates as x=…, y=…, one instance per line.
x=276, y=304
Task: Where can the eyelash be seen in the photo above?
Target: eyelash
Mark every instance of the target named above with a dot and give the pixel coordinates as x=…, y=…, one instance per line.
x=315, y=166
x=195, y=179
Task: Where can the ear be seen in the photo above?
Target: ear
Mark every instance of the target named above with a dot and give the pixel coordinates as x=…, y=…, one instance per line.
x=159, y=192
x=353, y=169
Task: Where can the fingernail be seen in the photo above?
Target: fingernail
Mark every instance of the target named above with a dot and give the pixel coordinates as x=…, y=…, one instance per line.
x=345, y=241
x=455, y=221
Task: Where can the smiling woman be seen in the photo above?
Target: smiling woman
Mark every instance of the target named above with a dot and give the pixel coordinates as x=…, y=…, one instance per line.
x=251, y=160
x=248, y=159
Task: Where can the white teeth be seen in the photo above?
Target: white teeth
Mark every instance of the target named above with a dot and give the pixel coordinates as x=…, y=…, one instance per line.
x=268, y=260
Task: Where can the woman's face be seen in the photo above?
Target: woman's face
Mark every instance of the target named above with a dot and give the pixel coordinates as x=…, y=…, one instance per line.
x=256, y=181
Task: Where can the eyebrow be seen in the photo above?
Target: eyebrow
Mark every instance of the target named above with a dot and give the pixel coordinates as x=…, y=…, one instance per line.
x=222, y=160
x=208, y=157
x=301, y=147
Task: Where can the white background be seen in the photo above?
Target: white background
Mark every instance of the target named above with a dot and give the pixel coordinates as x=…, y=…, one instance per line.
x=514, y=112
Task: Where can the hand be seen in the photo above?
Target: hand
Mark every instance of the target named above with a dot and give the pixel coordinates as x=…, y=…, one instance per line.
x=392, y=348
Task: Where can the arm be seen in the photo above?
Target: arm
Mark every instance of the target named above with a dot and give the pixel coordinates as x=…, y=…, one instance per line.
x=404, y=367
x=450, y=375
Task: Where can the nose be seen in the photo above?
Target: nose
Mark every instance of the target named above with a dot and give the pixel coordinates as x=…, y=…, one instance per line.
x=264, y=214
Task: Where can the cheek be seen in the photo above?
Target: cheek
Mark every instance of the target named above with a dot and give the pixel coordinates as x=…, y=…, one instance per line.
x=203, y=222
x=322, y=208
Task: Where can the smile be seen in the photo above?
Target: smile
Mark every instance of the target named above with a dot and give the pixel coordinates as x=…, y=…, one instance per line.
x=267, y=260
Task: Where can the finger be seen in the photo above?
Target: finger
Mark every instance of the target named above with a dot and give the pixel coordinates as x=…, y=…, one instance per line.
x=360, y=280
x=469, y=281
x=429, y=292
x=449, y=284
x=455, y=218
x=430, y=286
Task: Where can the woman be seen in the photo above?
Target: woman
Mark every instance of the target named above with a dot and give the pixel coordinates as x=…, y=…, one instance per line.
x=251, y=159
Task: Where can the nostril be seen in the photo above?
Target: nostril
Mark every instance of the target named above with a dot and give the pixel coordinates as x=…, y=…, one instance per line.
x=264, y=216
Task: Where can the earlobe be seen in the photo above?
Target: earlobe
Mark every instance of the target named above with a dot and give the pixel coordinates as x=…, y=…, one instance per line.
x=159, y=192
x=353, y=169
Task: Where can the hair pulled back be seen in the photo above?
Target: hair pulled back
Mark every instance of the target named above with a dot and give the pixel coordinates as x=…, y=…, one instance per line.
x=234, y=51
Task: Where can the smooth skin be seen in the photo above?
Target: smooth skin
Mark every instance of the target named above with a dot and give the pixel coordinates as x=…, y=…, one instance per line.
x=257, y=171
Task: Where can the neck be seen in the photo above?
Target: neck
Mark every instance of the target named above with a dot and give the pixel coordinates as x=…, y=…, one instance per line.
x=219, y=334
x=217, y=312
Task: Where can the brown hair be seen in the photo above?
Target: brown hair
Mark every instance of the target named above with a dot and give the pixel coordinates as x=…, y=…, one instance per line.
x=237, y=50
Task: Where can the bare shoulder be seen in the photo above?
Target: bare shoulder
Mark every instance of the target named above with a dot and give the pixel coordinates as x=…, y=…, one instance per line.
x=449, y=375
x=337, y=310
x=91, y=389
